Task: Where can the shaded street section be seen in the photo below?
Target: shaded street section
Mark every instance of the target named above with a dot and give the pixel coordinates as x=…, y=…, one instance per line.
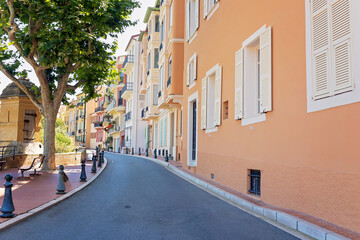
x=138, y=199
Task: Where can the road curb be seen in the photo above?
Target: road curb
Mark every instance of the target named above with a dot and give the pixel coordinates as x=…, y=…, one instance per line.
x=272, y=216
x=51, y=203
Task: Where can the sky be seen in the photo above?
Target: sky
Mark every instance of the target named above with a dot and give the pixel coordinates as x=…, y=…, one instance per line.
x=124, y=38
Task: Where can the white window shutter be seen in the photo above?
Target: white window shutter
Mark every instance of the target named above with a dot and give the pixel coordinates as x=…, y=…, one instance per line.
x=218, y=78
x=195, y=67
x=187, y=20
x=196, y=14
x=320, y=48
x=239, y=83
x=265, y=71
x=203, y=103
x=340, y=22
x=205, y=8
x=188, y=74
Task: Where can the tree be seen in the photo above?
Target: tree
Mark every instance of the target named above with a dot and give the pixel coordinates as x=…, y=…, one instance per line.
x=66, y=43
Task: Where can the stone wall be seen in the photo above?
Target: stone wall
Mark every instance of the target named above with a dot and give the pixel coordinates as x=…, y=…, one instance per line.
x=60, y=158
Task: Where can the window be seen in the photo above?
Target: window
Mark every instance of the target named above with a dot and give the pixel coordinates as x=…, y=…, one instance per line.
x=192, y=18
x=161, y=132
x=255, y=182
x=155, y=94
x=253, y=78
x=171, y=13
x=330, y=54
x=150, y=27
x=181, y=122
x=156, y=58
x=148, y=97
x=162, y=32
x=170, y=63
x=165, y=131
x=191, y=70
x=209, y=6
x=225, y=110
x=155, y=134
x=161, y=77
x=157, y=27
x=149, y=61
x=211, y=98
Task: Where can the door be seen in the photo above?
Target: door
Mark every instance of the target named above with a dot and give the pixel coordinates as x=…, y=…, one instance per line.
x=172, y=129
x=29, y=126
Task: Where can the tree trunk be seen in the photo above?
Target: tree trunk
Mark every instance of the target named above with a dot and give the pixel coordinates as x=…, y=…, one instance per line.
x=49, y=138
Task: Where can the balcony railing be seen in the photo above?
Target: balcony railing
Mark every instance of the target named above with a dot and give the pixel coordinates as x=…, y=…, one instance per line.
x=99, y=109
x=98, y=124
x=168, y=82
x=110, y=106
x=128, y=116
x=128, y=86
x=115, y=128
x=128, y=59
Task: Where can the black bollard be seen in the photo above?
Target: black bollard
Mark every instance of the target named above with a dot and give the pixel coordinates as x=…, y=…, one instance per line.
x=132, y=151
x=166, y=156
x=61, y=186
x=155, y=156
x=100, y=161
x=102, y=157
x=93, y=169
x=147, y=152
x=83, y=173
x=7, y=207
x=139, y=152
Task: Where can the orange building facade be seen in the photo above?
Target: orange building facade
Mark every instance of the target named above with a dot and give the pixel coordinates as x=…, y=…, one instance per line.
x=271, y=93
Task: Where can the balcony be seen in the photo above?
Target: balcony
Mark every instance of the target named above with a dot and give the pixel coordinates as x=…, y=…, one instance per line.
x=127, y=90
x=128, y=64
x=150, y=113
x=99, y=109
x=114, y=129
x=110, y=106
x=98, y=124
x=128, y=116
x=80, y=105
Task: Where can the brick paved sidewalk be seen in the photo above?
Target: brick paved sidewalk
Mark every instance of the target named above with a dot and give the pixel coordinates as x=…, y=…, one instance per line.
x=29, y=194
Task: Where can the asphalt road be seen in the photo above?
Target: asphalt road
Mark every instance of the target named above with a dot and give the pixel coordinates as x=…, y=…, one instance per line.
x=137, y=199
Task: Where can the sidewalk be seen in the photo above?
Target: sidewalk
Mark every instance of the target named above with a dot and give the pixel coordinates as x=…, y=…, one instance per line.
x=314, y=227
x=39, y=190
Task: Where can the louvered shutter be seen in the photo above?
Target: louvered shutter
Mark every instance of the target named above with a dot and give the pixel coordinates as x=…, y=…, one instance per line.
x=194, y=68
x=218, y=78
x=239, y=83
x=187, y=24
x=188, y=75
x=203, y=103
x=205, y=8
x=196, y=14
x=340, y=22
x=265, y=70
x=320, y=48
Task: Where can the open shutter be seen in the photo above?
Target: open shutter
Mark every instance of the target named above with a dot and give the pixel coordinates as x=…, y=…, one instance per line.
x=320, y=48
x=205, y=8
x=195, y=67
x=218, y=77
x=203, y=103
x=239, y=83
x=340, y=22
x=187, y=23
x=265, y=70
x=188, y=75
x=196, y=14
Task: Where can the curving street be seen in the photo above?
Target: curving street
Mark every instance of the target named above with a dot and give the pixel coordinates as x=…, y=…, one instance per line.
x=138, y=199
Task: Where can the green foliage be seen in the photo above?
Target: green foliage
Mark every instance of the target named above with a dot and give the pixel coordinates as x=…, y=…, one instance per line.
x=63, y=142
x=57, y=34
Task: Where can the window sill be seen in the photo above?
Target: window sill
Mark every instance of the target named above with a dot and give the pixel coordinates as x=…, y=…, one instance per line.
x=252, y=120
x=192, y=84
x=193, y=36
x=212, y=11
x=211, y=130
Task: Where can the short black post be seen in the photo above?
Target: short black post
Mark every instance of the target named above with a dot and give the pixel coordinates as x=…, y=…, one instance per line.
x=102, y=157
x=7, y=207
x=93, y=169
x=166, y=156
x=83, y=173
x=100, y=161
x=132, y=151
x=61, y=186
x=139, y=152
x=147, y=152
x=155, y=156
